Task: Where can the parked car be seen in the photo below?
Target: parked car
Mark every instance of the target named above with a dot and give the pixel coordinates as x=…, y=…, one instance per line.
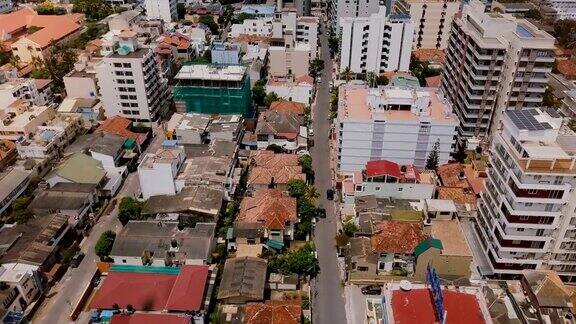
x=372, y=290
x=321, y=213
x=330, y=194
x=76, y=259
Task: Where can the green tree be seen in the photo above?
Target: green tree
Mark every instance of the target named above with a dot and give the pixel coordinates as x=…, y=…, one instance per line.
x=350, y=228
x=93, y=31
x=333, y=44
x=548, y=98
x=316, y=66
x=129, y=209
x=48, y=8
x=346, y=74
x=209, y=21
x=533, y=14
x=305, y=162
x=565, y=32
x=207, y=55
x=382, y=80
x=57, y=63
x=432, y=161
x=92, y=9
x=270, y=98
x=460, y=155
x=342, y=240
x=301, y=262
x=302, y=191
x=104, y=244
x=243, y=16
x=259, y=93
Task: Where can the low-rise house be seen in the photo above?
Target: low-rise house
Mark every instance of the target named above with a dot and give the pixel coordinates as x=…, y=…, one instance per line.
x=155, y=291
x=12, y=304
x=188, y=206
x=274, y=210
x=188, y=128
x=243, y=280
x=74, y=200
x=446, y=250
x=281, y=128
x=297, y=108
x=13, y=182
x=299, y=89
x=461, y=183
x=47, y=143
x=27, y=90
x=386, y=179
x=89, y=109
x=35, y=243
x=21, y=119
x=242, y=234
x=78, y=168
x=109, y=149
x=216, y=172
x=547, y=293
x=121, y=126
x=394, y=242
x=159, y=243
x=25, y=281
x=157, y=171
x=273, y=311
x=444, y=209
x=81, y=82
x=269, y=159
x=225, y=53
x=225, y=128
x=278, y=177
x=8, y=153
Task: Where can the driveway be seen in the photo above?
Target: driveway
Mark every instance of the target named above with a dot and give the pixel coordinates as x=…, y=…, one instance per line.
x=328, y=305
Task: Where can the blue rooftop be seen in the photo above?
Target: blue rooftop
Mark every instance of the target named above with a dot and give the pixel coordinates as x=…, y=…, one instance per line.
x=48, y=134
x=169, y=143
x=523, y=32
x=144, y=269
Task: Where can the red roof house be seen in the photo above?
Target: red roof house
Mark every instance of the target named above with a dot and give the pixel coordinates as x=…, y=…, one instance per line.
x=154, y=291
x=146, y=318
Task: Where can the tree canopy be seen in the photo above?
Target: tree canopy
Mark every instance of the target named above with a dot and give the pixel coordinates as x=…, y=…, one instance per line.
x=422, y=70
x=565, y=32
x=209, y=21
x=301, y=262
x=104, y=244
x=432, y=161
x=259, y=93
x=129, y=209
x=270, y=98
x=56, y=64
x=93, y=9
x=48, y=8
x=316, y=66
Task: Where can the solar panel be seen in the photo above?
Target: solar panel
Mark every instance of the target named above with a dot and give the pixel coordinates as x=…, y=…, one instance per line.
x=524, y=119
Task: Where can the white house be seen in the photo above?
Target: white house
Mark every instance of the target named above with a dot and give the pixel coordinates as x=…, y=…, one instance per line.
x=299, y=89
x=157, y=171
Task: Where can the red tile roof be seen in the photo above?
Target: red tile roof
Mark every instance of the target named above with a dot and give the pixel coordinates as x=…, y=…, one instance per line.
x=381, y=168
x=272, y=207
x=295, y=107
x=430, y=55
x=153, y=291
x=273, y=312
x=121, y=126
x=268, y=159
x=396, y=237
x=416, y=306
x=146, y=318
x=304, y=79
x=433, y=81
x=567, y=68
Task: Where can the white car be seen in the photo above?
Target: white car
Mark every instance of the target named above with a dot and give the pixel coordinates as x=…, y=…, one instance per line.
x=310, y=132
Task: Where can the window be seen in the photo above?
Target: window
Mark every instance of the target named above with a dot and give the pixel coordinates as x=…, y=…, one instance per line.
x=133, y=97
x=377, y=188
x=129, y=81
x=124, y=104
x=528, y=204
x=134, y=104
x=123, y=97
x=131, y=89
x=358, y=188
x=362, y=268
x=400, y=189
x=127, y=65
x=123, y=260
x=122, y=89
x=520, y=229
x=119, y=73
x=532, y=191
x=120, y=81
x=128, y=73
x=117, y=65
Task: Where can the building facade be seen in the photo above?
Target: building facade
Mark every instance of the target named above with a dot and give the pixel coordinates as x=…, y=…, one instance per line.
x=432, y=20
x=401, y=125
x=338, y=9
x=376, y=44
x=130, y=82
x=494, y=60
x=565, y=9
x=526, y=212
x=161, y=9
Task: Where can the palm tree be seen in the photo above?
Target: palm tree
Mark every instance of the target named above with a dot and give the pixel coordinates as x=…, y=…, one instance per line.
x=14, y=61
x=371, y=79
x=347, y=74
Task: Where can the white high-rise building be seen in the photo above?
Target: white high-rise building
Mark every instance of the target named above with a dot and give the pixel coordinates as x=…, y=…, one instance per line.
x=130, y=82
x=526, y=216
x=432, y=19
x=401, y=125
x=377, y=44
x=161, y=9
x=338, y=9
x=494, y=61
x=565, y=9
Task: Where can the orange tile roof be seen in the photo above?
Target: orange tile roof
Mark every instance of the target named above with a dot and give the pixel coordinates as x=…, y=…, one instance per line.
x=121, y=126
x=283, y=105
x=7, y=149
x=396, y=237
x=280, y=174
x=430, y=55
x=252, y=38
x=567, y=68
x=457, y=194
x=433, y=81
x=304, y=79
x=53, y=28
x=273, y=312
x=272, y=207
x=268, y=159
x=449, y=174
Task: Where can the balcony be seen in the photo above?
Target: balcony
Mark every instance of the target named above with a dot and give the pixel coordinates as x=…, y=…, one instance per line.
x=525, y=219
x=525, y=245
x=508, y=266
x=540, y=165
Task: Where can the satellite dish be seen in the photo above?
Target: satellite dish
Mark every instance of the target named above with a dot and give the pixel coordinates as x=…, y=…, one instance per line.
x=405, y=285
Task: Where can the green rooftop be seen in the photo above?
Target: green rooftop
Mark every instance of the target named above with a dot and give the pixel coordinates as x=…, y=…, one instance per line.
x=406, y=215
x=81, y=168
x=427, y=244
x=144, y=269
x=405, y=81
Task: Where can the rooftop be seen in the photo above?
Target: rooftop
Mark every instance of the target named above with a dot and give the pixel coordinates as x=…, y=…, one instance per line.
x=162, y=155
x=121, y=126
x=197, y=199
x=452, y=237
x=10, y=180
x=440, y=205
x=81, y=168
x=278, y=174
x=394, y=104
x=548, y=289
x=205, y=170
x=139, y=236
x=189, y=121
x=273, y=312
x=62, y=198
x=32, y=242
x=397, y=237
x=272, y=208
x=212, y=72
x=292, y=106
x=266, y=158
x=274, y=122
x=108, y=144
x=183, y=291
x=243, y=277
x=141, y=318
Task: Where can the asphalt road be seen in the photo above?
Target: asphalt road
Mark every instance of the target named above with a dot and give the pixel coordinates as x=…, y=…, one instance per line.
x=328, y=303
x=57, y=308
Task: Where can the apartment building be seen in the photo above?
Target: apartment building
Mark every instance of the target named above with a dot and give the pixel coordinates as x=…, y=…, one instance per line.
x=526, y=212
x=338, y=9
x=377, y=44
x=401, y=125
x=432, y=20
x=82, y=82
x=157, y=171
x=494, y=60
x=161, y=9
x=22, y=120
x=25, y=89
x=130, y=82
x=565, y=9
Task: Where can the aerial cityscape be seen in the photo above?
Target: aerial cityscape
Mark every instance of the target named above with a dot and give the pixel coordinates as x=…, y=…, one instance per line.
x=288, y=161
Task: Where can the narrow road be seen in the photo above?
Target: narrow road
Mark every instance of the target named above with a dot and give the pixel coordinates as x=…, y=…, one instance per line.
x=328, y=305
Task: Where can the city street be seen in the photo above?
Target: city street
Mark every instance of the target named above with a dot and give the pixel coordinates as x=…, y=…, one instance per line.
x=328, y=305
x=58, y=307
